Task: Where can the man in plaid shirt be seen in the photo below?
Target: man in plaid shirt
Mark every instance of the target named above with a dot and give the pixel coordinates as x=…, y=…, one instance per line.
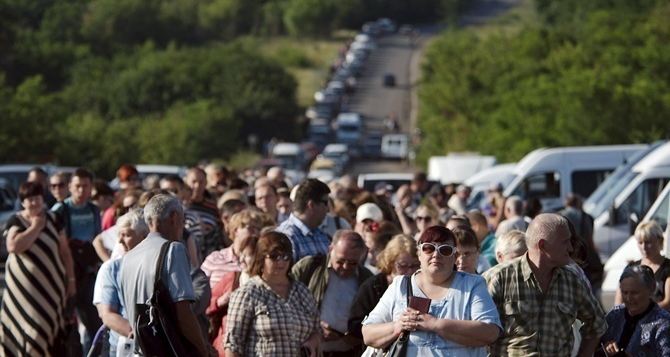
x=538, y=298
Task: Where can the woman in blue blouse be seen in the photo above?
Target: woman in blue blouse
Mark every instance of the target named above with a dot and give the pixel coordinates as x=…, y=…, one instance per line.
x=462, y=318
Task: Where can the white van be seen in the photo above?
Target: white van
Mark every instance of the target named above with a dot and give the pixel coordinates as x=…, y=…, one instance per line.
x=349, y=129
x=395, y=146
x=550, y=174
x=480, y=182
x=632, y=193
x=290, y=155
x=629, y=251
x=457, y=167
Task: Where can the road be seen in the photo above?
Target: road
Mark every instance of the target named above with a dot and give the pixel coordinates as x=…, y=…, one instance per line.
x=394, y=54
x=400, y=56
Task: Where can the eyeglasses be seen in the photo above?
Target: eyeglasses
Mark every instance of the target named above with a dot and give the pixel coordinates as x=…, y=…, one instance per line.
x=57, y=185
x=403, y=266
x=278, y=256
x=445, y=250
x=425, y=219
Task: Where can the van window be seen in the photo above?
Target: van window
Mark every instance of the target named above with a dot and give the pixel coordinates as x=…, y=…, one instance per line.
x=661, y=214
x=585, y=182
x=640, y=199
x=541, y=185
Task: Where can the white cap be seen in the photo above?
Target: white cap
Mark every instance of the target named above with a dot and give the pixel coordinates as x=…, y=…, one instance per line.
x=369, y=211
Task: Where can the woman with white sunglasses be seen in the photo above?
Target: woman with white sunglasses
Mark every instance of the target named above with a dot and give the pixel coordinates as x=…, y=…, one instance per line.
x=451, y=312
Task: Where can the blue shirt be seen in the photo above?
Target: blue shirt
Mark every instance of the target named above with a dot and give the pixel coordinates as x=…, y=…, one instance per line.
x=107, y=291
x=304, y=241
x=82, y=220
x=467, y=299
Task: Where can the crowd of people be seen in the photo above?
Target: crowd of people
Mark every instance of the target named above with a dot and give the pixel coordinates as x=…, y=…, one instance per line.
x=255, y=265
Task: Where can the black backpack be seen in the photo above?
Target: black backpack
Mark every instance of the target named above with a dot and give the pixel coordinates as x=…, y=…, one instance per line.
x=156, y=331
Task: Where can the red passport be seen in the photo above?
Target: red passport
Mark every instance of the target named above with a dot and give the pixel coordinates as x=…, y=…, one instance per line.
x=420, y=304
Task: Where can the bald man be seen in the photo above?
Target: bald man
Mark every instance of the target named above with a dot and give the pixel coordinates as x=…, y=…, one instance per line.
x=538, y=298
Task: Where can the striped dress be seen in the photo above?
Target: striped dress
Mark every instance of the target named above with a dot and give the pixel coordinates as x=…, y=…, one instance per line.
x=34, y=299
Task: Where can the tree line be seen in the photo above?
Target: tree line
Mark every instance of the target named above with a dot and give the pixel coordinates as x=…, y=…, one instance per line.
x=591, y=72
x=102, y=82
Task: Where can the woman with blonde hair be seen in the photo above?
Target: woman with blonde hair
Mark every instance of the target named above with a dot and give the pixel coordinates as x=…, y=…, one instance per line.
x=242, y=226
x=649, y=236
x=398, y=258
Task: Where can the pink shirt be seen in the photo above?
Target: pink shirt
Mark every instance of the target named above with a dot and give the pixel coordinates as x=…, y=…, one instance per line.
x=218, y=263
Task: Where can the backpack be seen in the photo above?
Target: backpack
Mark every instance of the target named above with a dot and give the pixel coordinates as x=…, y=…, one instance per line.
x=156, y=331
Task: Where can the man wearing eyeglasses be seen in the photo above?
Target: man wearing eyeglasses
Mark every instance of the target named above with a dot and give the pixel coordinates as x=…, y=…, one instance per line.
x=334, y=281
x=539, y=299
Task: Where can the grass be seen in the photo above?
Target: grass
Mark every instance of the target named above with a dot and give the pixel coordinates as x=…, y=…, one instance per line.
x=307, y=60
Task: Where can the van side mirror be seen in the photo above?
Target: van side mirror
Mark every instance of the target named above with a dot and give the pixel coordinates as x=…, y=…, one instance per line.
x=633, y=221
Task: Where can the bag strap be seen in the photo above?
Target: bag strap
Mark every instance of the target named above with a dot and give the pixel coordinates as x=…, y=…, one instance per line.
x=160, y=263
x=408, y=287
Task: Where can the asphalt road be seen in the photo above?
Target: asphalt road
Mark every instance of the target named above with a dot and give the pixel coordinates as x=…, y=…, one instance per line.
x=401, y=56
x=394, y=55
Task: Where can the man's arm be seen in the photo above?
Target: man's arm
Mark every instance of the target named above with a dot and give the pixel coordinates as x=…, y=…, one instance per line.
x=188, y=325
x=588, y=346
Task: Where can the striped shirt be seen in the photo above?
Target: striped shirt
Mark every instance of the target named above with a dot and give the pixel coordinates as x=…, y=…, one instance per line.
x=261, y=323
x=217, y=264
x=537, y=323
x=305, y=241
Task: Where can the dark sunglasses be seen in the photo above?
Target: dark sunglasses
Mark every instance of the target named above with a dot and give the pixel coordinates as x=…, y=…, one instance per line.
x=279, y=256
x=445, y=250
x=57, y=185
x=426, y=218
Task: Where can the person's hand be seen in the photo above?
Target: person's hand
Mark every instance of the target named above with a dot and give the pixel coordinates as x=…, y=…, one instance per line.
x=611, y=348
x=223, y=300
x=328, y=333
x=38, y=221
x=408, y=321
x=312, y=344
x=426, y=322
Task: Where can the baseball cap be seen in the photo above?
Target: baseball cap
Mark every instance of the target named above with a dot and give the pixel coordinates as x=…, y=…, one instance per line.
x=369, y=211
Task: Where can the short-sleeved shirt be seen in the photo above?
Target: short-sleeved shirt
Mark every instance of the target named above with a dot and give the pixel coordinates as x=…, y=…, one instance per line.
x=138, y=269
x=108, y=292
x=537, y=323
x=83, y=223
x=304, y=241
x=467, y=299
x=261, y=323
x=661, y=275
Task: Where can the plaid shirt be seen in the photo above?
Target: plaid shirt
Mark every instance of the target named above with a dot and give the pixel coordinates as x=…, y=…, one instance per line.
x=537, y=324
x=260, y=323
x=305, y=241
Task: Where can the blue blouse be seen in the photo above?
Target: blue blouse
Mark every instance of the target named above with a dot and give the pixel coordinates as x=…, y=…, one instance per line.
x=467, y=299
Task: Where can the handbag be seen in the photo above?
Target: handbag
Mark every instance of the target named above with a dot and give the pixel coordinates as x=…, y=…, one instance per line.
x=399, y=347
x=156, y=331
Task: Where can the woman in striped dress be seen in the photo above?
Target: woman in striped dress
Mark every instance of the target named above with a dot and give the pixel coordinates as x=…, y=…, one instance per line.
x=39, y=277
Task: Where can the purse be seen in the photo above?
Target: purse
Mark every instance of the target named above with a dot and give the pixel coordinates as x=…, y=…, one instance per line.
x=399, y=347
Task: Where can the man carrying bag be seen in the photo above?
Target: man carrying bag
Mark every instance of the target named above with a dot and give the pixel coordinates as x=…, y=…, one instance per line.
x=157, y=288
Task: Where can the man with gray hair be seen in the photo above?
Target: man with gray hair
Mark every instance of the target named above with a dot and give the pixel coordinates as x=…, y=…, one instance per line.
x=538, y=298
x=334, y=281
x=514, y=218
x=165, y=217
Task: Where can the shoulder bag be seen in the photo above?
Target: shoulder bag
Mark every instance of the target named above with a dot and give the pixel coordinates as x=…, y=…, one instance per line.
x=399, y=347
x=156, y=331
